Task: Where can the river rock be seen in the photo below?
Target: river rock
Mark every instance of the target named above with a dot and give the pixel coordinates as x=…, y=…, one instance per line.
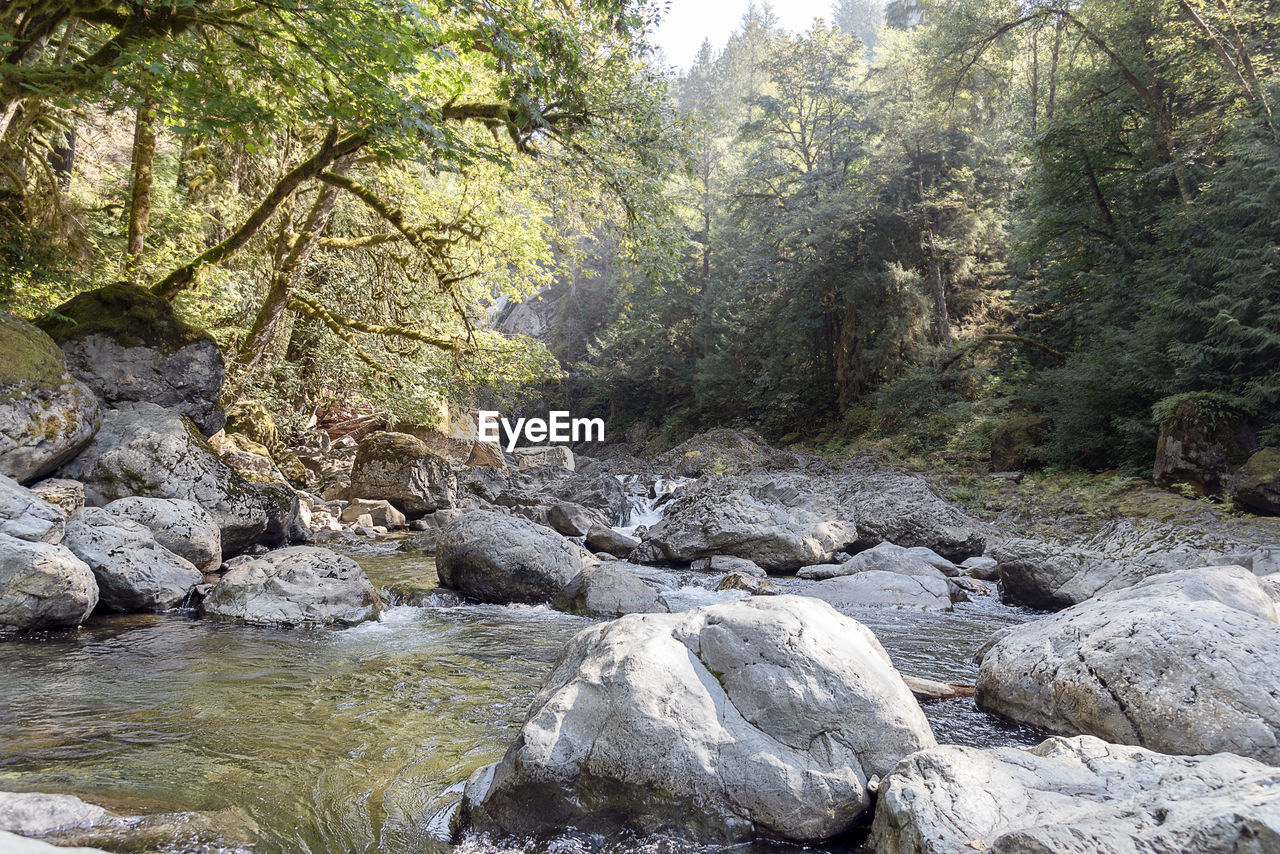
x=1076, y=796
x=532, y=492
x=901, y=509
x=555, y=455
x=1050, y=578
x=39, y=814
x=183, y=527
x=761, y=716
x=46, y=415
x=142, y=449
x=300, y=585
x=752, y=584
x=775, y=524
x=726, y=564
x=885, y=557
x=404, y=471
x=134, y=572
x=66, y=495
x=1198, y=448
x=1257, y=483
x=602, y=538
x=43, y=585
x=129, y=345
x=491, y=557
x=877, y=587
x=611, y=589
x=572, y=520
x=1182, y=662
x=27, y=516
x=982, y=567
x=380, y=512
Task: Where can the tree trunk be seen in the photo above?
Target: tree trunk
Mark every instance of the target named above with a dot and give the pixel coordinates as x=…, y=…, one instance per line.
x=284, y=281
x=144, y=155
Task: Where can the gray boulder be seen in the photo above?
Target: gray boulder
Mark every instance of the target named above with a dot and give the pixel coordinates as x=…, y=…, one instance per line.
x=532, y=492
x=43, y=586
x=572, y=520
x=46, y=415
x=300, y=585
x=602, y=538
x=39, y=814
x=380, y=512
x=726, y=564
x=900, y=508
x=403, y=470
x=762, y=716
x=1180, y=663
x=134, y=572
x=1050, y=578
x=129, y=345
x=27, y=516
x=611, y=589
x=772, y=522
x=142, y=449
x=885, y=557
x=183, y=527
x=877, y=587
x=983, y=568
x=495, y=558
x=1076, y=796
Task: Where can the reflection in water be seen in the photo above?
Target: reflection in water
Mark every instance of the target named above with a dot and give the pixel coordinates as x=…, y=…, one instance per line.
x=340, y=741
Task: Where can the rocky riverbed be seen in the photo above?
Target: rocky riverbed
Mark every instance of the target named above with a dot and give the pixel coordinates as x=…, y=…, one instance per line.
x=411, y=641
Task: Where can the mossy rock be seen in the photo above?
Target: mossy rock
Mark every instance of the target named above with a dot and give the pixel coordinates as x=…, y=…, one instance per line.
x=31, y=358
x=1257, y=483
x=397, y=448
x=252, y=419
x=1016, y=441
x=1200, y=442
x=127, y=314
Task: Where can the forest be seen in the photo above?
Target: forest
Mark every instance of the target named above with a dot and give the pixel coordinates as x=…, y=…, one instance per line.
x=916, y=220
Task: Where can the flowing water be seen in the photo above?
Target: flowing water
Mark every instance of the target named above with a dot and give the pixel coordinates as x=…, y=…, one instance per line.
x=342, y=740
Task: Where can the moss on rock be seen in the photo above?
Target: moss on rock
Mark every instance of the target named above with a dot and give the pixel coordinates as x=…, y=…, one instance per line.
x=127, y=314
x=30, y=357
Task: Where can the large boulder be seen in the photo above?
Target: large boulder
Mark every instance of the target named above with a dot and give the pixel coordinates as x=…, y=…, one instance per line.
x=1182, y=662
x=878, y=587
x=46, y=415
x=39, y=814
x=1076, y=796
x=296, y=586
x=142, y=449
x=602, y=538
x=27, y=516
x=127, y=344
x=183, y=527
x=885, y=557
x=1257, y=483
x=762, y=716
x=775, y=523
x=403, y=470
x=491, y=557
x=611, y=589
x=134, y=572
x=1199, y=445
x=902, y=509
x=43, y=585
x=1048, y=577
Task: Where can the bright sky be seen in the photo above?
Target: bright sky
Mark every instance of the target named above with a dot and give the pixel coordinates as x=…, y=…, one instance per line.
x=688, y=22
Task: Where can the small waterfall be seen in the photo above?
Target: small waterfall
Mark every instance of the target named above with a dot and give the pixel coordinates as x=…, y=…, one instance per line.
x=648, y=496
